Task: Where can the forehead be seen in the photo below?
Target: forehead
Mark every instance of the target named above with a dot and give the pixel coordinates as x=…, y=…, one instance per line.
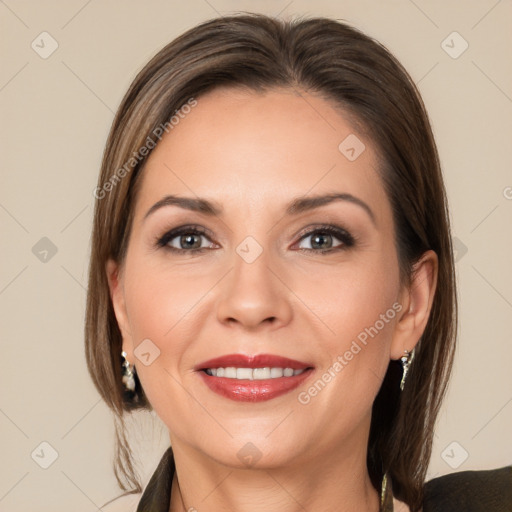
x=251, y=149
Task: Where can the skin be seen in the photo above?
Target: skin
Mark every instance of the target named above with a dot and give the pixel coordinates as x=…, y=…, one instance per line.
x=253, y=153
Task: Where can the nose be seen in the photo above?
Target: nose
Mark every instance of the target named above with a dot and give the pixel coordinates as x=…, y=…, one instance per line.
x=254, y=295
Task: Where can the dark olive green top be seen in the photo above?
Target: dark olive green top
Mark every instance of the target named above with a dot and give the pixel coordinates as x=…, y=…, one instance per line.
x=465, y=491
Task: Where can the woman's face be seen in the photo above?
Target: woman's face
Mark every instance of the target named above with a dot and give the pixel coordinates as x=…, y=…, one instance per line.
x=266, y=281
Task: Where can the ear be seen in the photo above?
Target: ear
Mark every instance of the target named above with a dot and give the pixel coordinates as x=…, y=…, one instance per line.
x=115, y=284
x=416, y=300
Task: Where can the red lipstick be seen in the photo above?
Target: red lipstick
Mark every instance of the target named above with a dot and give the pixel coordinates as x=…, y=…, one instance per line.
x=253, y=390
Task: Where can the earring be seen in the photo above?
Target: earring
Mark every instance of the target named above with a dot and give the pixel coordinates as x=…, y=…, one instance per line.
x=406, y=362
x=128, y=374
x=386, y=494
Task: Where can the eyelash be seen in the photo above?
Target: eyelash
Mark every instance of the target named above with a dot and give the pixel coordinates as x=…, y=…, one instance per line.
x=341, y=234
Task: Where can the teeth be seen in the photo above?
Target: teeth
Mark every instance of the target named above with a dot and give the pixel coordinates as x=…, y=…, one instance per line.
x=275, y=373
x=230, y=373
x=252, y=373
x=261, y=373
x=244, y=373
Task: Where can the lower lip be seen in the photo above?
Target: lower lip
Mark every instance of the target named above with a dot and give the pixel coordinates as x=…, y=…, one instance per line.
x=245, y=390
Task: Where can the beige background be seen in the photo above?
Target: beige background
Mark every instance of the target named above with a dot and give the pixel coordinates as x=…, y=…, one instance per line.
x=56, y=113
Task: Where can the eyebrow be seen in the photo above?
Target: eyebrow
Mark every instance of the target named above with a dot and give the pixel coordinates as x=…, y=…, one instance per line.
x=295, y=207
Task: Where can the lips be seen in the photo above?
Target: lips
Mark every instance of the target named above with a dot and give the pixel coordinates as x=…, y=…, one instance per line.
x=247, y=390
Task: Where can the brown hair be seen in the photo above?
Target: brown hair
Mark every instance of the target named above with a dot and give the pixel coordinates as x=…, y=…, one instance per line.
x=357, y=74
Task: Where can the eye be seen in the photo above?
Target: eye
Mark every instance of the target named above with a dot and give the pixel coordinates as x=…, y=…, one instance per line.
x=184, y=239
x=189, y=239
x=322, y=239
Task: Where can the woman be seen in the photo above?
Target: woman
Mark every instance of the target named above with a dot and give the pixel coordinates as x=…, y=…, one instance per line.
x=272, y=274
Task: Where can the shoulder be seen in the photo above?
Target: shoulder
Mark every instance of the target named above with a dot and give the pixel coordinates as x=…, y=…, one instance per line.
x=470, y=491
x=124, y=503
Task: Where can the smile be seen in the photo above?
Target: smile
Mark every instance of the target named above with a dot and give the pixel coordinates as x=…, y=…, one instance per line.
x=253, y=378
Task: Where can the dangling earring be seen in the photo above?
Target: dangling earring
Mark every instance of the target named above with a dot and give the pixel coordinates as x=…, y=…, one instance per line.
x=386, y=492
x=386, y=495
x=406, y=362
x=128, y=374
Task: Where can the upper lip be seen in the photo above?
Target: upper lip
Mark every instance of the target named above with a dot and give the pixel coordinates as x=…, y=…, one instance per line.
x=256, y=361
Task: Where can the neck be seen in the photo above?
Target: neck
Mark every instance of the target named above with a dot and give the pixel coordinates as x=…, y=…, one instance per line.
x=333, y=480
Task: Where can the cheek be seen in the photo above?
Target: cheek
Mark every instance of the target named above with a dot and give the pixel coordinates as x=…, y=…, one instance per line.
x=170, y=305
x=157, y=309
x=358, y=308
x=157, y=305
x=351, y=297
x=160, y=295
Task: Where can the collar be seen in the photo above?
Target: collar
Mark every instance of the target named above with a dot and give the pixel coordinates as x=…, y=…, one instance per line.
x=157, y=494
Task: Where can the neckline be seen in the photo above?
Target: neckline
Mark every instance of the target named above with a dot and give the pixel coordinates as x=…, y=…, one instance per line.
x=156, y=496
